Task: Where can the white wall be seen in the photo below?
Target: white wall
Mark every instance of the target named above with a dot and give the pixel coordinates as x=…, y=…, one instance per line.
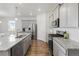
x=19, y=25
x=7, y=9
x=26, y=23
x=4, y=25
x=41, y=27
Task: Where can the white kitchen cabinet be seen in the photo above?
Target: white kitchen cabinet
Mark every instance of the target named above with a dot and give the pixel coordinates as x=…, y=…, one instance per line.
x=63, y=15
x=69, y=15
x=65, y=47
x=58, y=50
x=55, y=49
x=72, y=15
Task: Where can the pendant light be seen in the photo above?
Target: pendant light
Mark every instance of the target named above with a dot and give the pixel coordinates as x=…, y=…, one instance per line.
x=16, y=9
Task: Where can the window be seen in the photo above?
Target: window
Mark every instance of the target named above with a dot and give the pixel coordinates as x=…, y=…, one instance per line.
x=11, y=25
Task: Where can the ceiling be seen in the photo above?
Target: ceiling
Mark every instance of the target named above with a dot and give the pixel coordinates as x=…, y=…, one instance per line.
x=25, y=9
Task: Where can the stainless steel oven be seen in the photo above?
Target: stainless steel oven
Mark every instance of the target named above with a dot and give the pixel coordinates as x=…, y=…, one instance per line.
x=50, y=40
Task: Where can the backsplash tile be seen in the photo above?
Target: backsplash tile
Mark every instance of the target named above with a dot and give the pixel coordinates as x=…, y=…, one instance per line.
x=73, y=32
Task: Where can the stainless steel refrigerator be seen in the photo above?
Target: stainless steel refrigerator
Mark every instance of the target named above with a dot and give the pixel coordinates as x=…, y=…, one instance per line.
x=34, y=31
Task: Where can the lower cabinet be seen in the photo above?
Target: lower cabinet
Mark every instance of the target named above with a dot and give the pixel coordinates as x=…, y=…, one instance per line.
x=17, y=50
x=55, y=49
x=58, y=50
x=21, y=48
x=26, y=44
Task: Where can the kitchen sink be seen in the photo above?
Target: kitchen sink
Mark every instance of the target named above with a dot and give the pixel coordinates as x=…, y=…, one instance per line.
x=20, y=36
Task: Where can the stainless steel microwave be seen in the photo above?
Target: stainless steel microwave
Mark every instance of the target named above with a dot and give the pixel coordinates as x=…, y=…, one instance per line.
x=55, y=23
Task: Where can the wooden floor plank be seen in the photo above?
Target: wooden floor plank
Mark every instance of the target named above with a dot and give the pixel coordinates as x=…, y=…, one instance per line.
x=38, y=48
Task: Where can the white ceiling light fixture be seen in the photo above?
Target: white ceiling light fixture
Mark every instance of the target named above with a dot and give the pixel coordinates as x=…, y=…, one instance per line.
x=17, y=13
x=31, y=14
x=20, y=3
x=39, y=9
x=0, y=21
x=16, y=19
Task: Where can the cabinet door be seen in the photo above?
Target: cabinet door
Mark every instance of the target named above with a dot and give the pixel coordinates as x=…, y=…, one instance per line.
x=63, y=15
x=55, y=49
x=58, y=50
x=17, y=50
x=60, y=53
x=26, y=44
x=72, y=10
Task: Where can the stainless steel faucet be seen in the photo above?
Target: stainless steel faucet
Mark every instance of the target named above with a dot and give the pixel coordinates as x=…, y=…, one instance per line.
x=17, y=32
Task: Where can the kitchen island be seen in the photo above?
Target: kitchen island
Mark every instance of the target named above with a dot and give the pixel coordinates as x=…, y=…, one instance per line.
x=11, y=45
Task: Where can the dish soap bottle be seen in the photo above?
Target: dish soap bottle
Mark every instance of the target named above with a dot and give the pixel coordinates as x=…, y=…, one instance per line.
x=66, y=35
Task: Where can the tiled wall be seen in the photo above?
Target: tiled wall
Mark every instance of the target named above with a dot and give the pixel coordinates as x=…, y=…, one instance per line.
x=73, y=32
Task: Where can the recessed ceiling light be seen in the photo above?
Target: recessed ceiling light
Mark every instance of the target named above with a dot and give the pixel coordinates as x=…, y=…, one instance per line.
x=39, y=9
x=0, y=21
x=20, y=3
x=16, y=19
x=31, y=14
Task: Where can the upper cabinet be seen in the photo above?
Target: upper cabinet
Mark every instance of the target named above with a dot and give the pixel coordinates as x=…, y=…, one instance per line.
x=69, y=15
x=63, y=15
x=72, y=10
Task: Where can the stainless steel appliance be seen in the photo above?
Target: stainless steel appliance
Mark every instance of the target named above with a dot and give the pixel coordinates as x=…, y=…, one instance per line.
x=30, y=26
x=34, y=31
x=55, y=23
x=50, y=40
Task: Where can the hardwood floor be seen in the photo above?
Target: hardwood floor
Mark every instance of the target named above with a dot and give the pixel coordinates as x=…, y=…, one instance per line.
x=38, y=48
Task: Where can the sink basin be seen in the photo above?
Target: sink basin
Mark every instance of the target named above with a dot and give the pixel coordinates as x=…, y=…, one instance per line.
x=20, y=36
